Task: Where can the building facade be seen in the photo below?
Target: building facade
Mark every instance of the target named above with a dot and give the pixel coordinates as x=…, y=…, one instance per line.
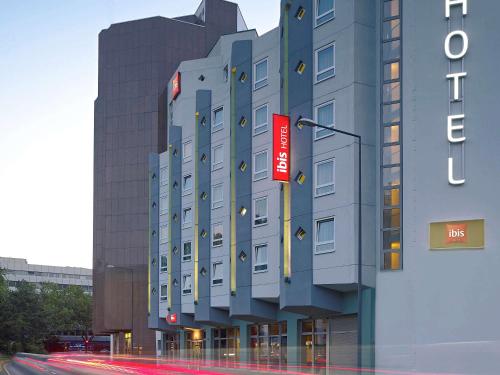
x=17, y=269
x=244, y=266
x=136, y=59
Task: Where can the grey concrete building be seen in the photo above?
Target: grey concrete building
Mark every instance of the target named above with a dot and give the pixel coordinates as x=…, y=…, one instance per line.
x=136, y=59
x=246, y=267
x=17, y=269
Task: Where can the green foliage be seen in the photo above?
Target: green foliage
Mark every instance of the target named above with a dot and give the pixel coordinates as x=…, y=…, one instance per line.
x=29, y=317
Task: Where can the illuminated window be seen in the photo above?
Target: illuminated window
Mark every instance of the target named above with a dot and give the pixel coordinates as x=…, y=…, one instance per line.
x=186, y=251
x=217, y=157
x=260, y=74
x=260, y=119
x=217, y=273
x=324, y=11
x=325, y=236
x=325, y=62
x=163, y=263
x=217, y=196
x=217, y=235
x=325, y=115
x=163, y=292
x=260, y=258
x=186, y=284
x=391, y=134
x=391, y=71
x=218, y=122
x=260, y=211
x=325, y=177
x=260, y=165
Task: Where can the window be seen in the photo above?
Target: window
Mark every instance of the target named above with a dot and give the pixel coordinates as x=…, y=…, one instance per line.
x=187, y=151
x=163, y=263
x=325, y=115
x=391, y=29
x=163, y=233
x=324, y=11
x=260, y=211
x=325, y=62
x=260, y=119
x=186, y=284
x=217, y=196
x=186, y=251
x=391, y=8
x=217, y=157
x=391, y=92
x=163, y=292
x=391, y=71
x=260, y=165
x=187, y=184
x=163, y=176
x=218, y=119
x=325, y=177
x=260, y=262
x=217, y=235
x=226, y=73
x=260, y=74
x=325, y=235
x=217, y=273
x=163, y=204
x=187, y=217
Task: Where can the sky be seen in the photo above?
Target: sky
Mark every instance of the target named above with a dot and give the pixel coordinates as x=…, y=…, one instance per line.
x=48, y=83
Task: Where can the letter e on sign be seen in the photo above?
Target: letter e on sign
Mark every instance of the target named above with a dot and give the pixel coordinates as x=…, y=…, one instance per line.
x=281, y=148
x=176, y=85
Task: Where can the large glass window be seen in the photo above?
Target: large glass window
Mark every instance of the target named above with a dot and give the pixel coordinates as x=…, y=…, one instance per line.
x=260, y=211
x=314, y=336
x=260, y=119
x=325, y=177
x=218, y=119
x=226, y=343
x=217, y=196
x=260, y=166
x=260, y=258
x=268, y=343
x=217, y=235
x=260, y=74
x=325, y=62
x=325, y=235
x=217, y=157
x=324, y=11
x=325, y=115
x=217, y=273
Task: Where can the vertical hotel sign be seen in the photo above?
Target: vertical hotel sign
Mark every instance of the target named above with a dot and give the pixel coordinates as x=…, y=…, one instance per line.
x=455, y=121
x=281, y=148
x=176, y=85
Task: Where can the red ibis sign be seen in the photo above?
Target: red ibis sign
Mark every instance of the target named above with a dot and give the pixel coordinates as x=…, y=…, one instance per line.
x=281, y=148
x=171, y=318
x=176, y=85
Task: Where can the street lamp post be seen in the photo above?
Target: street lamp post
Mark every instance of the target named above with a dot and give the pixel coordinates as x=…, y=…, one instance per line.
x=312, y=124
x=110, y=266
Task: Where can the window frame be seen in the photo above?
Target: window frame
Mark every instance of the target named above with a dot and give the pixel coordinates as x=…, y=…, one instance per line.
x=317, y=130
x=213, y=233
x=316, y=186
x=316, y=61
x=316, y=242
x=214, y=281
x=163, y=268
x=220, y=127
x=185, y=158
x=255, y=211
x=255, y=164
x=318, y=16
x=255, y=264
x=217, y=204
x=184, y=257
x=187, y=224
x=261, y=128
x=184, y=190
x=186, y=292
x=219, y=165
x=163, y=297
x=264, y=80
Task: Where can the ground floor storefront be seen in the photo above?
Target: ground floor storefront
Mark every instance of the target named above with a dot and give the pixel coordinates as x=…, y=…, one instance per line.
x=309, y=342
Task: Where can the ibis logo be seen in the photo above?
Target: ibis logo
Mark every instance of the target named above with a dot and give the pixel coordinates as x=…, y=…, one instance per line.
x=281, y=148
x=171, y=318
x=456, y=233
x=176, y=85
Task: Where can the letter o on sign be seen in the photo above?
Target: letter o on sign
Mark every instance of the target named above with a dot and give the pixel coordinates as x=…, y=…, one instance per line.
x=465, y=45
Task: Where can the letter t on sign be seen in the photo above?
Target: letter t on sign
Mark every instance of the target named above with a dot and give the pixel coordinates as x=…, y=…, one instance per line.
x=450, y=3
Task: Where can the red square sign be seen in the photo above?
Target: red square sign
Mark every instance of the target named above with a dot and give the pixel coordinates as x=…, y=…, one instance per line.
x=171, y=318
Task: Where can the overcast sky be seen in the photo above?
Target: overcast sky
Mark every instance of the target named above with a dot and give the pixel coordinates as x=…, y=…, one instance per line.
x=48, y=82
